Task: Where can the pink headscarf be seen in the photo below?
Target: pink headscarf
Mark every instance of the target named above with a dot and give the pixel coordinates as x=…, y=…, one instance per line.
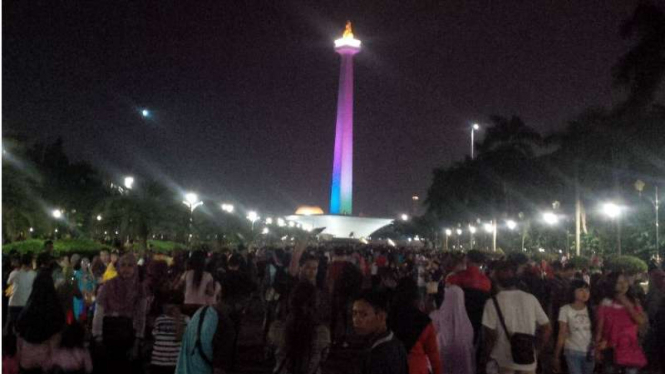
x=454, y=333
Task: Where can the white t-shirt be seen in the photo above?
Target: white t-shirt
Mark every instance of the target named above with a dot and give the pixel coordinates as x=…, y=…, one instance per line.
x=522, y=313
x=579, y=328
x=22, y=286
x=194, y=295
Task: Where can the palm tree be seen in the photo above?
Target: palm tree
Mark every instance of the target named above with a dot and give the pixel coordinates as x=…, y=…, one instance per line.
x=510, y=135
x=642, y=69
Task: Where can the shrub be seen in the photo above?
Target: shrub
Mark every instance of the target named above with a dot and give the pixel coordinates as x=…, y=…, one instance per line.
x=630, y=265
x=580, y=262
x=162, y=246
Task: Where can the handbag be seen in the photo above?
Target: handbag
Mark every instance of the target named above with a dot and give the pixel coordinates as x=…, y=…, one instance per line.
x=522, y=346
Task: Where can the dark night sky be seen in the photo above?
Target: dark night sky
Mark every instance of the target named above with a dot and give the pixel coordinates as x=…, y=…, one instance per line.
x=243, y=94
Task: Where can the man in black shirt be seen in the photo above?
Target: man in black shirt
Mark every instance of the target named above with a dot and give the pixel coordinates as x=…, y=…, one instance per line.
x=385, y=354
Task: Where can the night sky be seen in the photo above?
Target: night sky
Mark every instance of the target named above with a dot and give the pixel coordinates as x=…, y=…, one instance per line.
x=243, y=94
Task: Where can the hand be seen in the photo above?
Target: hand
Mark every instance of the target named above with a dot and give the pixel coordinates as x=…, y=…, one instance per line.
x=557, y=365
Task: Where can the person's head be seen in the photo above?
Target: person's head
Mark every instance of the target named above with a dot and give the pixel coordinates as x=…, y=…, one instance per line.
x=475, y=257
x=26, y=260
x=617, y=284
x=48, y=246
x=309, y=267
x=104, y=256
x=73, y=336
x=42, y=315
x=406, y=293
x=505, y=274
x=115, y=255
x=127, y=266
x=84, y=264
x=234, y=262
x=569, y=270
x=579, y=291
x=370, y=312
x=44, y=260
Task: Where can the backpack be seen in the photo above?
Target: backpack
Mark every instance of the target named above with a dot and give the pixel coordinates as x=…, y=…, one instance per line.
x=223, y=323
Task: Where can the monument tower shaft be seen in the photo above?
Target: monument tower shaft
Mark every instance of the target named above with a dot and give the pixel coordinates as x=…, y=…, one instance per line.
x=341, y=196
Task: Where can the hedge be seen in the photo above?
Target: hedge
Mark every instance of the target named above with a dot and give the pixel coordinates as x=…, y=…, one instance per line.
x=165, y=246
x=630, y=265
x=87, y=246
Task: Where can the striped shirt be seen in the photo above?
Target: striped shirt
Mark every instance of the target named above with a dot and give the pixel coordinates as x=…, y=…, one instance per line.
x=166, y=349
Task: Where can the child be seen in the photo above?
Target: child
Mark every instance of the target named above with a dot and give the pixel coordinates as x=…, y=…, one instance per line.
x=168, y=331
x=72, y=356
x=575, y=334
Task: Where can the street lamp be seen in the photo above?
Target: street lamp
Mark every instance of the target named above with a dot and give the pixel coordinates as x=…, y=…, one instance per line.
x=192, y=201
x=404, y=217
x=129, y=182
x=474, y=128
x=228, y=208
x=268, y=221
x=57, y=213
x=253, y=217
x=613, y=212
x=448, y=233
x=99, y=217
x=550, y=218
x=145, y=113
x=281, y=222
x=512, y=225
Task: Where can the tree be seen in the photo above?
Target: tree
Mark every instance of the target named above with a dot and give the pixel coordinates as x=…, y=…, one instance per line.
x=642, y=69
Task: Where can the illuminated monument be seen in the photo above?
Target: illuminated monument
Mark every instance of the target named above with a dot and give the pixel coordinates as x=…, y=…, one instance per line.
x=341, y=195
x=339, y=223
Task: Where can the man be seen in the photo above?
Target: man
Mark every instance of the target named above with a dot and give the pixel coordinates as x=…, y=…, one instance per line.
x=386, y=354
x=476, y=286
x=522, y=314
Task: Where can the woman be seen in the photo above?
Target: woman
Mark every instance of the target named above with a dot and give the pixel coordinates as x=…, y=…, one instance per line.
x=619, y=318
x=199, y=284
x=40, y=325
x=302, y=342
x=575, y=328
x=454, y=333
x=414, y=328
x=119, y=320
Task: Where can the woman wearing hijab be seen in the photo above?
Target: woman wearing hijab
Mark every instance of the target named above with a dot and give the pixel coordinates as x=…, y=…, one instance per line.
x=119, y=320
x=414, y=328
x=454, y=333
x=39, y=325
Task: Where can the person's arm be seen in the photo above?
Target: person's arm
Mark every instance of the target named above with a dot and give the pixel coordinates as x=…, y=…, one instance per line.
x=489, y=340
x=544, y=333
x=561, y=339
x=98, y=322
x=431, y=348
x=599, y=342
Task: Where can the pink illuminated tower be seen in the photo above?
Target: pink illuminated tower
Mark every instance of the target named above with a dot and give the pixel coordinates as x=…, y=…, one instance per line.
x=341, y=195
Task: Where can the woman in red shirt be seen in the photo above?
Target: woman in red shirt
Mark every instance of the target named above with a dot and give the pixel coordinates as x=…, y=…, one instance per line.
x=414, y=328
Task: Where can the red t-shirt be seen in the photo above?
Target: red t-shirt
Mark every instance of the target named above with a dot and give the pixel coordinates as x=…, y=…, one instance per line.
x=472, y=277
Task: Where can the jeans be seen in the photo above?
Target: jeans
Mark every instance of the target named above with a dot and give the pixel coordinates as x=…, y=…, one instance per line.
x=577, y=362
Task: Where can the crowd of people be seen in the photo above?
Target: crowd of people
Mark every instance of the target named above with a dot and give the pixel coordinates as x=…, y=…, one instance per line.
x=407, y=310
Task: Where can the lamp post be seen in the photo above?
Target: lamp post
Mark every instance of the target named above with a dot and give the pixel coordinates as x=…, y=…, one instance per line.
x=192, y=201
x=253, y=217
x=475, y=127
x=472, y=230
x=448, y=233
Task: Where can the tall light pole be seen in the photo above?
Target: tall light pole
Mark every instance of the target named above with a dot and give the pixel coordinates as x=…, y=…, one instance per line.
x=253, y=217
x=639, y=186
x=472, y=230
x=192, y=201
x=474, y=128
x=448, y=233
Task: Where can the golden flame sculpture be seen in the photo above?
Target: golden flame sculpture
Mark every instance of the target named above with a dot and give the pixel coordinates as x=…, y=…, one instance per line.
x=348, y=33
